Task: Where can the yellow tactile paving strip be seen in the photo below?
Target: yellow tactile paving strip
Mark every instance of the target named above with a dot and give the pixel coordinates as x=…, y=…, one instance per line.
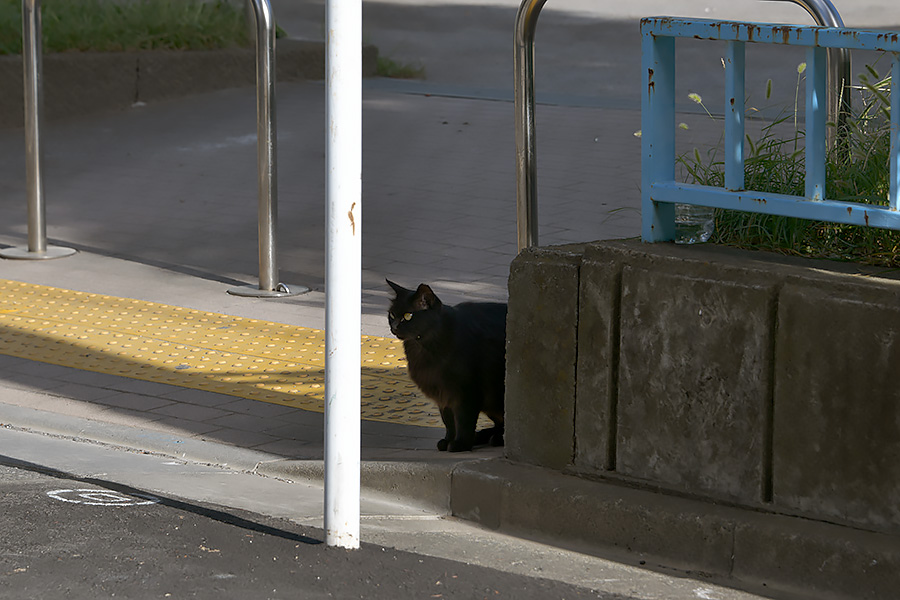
x=237, y=356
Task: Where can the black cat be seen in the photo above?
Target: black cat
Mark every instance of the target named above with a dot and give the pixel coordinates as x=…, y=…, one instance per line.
x=457, y=357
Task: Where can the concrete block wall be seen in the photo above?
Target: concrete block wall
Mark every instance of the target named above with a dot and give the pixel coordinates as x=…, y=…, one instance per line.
x=546, y=325
x=726, y=376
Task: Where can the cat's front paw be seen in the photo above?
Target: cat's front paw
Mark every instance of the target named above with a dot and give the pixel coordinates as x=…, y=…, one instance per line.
x=442, y=445
x=459, y=446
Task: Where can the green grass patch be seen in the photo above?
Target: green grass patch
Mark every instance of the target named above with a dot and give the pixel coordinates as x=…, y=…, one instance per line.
x=390, y=68
x=857, y=170
x=111, y=25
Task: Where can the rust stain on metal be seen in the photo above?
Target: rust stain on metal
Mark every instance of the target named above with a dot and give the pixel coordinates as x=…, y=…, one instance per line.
x=866, y=216
x=665, y=21
x=886, y=39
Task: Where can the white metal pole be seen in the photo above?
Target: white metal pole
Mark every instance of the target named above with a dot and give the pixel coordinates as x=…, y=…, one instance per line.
x=343, y=270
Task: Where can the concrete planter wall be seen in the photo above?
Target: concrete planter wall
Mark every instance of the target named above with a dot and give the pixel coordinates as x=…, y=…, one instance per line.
x=77, y=83
x=728, y=378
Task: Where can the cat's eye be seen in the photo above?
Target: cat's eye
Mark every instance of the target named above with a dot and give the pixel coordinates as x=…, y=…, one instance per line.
x=407, y=316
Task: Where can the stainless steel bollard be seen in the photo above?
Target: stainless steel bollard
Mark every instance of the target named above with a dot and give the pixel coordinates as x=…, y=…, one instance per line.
x=37, y=248
x=839, y=66
x=266, y=143
x=526, y=144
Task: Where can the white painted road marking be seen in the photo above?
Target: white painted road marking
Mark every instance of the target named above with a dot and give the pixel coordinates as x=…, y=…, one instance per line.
x=96, y=497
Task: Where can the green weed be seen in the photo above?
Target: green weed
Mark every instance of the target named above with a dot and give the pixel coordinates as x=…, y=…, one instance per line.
x=109, y=25
x=857, y=170
x=387, y=67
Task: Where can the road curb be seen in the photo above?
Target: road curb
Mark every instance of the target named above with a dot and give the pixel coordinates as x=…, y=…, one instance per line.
x=132, y=438
x=80, y=83
x=424, y=483
x=752, y=550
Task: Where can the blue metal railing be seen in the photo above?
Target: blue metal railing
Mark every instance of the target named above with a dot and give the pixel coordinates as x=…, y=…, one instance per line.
x=660, y=191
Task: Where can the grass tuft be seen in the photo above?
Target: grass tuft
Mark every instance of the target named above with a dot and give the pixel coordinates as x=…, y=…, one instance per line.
x=857, y=170
x=118, y=25
x=390, y=68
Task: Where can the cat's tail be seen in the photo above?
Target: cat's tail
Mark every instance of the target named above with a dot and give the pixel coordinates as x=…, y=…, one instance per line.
x=491, y=435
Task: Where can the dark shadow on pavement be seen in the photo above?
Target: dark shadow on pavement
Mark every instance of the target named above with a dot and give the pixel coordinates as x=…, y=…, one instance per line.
x=208, y=512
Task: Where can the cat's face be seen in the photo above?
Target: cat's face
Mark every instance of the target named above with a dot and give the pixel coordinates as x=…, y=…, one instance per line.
x=414, y=314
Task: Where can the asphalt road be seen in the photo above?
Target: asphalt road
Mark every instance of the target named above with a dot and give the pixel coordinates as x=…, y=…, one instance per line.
x=90, y=519
x=587, y=53
x=75, y=537
x=87, y=532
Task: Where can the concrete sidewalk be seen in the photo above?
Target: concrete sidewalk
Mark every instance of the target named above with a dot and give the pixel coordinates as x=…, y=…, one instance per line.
x=161, y=202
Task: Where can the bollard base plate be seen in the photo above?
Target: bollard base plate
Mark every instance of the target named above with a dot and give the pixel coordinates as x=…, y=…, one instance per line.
x=22, y=253
x=281, y=291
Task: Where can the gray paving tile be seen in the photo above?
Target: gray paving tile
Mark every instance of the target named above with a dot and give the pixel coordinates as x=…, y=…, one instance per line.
x=179, y=426
x=129, y=418
x=397, y=442
x=25, y=381
x=190, y=412
x=302, y=418
x=135, y=402
x=10, y=362
x=256, y=408
x=374, y=453
x=293, y=449
x=198, y=397
x=137, y=386
x=42, y=369
x=297, y=431
x=90, y=378
x=377, y=428
x=238, y=437
x=77, y=391
x=243, y=422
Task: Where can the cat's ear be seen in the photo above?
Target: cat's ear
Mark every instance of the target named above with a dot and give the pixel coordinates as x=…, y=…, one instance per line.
x=398, y=289
x=425, y=298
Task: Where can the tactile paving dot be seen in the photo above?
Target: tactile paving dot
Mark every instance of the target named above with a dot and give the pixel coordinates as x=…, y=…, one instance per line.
x=248, y=358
